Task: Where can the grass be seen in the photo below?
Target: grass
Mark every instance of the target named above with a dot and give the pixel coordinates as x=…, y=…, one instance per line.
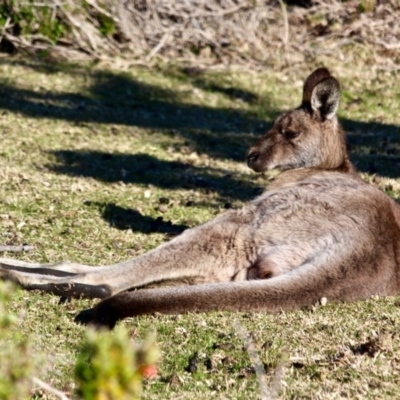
x=99, y=165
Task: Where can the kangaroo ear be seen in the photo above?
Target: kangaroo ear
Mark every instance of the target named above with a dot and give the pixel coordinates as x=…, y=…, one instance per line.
x=321, y=94
x=325, y=98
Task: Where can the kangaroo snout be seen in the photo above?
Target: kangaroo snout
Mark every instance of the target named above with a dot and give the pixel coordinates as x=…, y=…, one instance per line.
x=252, y=156
x=260, y=156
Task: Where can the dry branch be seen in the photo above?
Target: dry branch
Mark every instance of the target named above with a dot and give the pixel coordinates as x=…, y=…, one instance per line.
x=45, y=386
x=15, y=249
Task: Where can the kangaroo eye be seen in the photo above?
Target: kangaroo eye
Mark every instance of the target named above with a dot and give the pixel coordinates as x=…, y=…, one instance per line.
x=290, y=135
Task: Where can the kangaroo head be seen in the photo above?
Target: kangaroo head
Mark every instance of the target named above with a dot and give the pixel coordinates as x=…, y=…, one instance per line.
x=308, y=136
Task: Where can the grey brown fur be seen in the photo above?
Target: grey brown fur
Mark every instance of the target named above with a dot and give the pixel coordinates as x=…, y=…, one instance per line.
x=319, y=231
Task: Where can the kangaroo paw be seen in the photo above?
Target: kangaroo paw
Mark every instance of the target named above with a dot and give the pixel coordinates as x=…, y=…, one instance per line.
x=91, y=317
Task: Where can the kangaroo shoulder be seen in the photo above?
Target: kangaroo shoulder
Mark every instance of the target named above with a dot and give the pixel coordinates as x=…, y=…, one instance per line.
x=328, y=189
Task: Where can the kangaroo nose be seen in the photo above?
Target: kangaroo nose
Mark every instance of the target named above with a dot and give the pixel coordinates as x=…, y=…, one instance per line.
x=252, y=157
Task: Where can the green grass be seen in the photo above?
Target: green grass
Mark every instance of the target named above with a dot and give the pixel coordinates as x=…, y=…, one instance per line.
x=88, y=152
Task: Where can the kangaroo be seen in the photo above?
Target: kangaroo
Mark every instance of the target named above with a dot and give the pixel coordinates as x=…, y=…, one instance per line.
x=319, y=231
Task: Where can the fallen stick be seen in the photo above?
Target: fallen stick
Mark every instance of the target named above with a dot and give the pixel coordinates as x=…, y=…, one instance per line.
x=15, y=249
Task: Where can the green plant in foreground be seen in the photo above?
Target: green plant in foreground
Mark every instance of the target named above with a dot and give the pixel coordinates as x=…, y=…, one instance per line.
x=111, y=367
x=16, y=359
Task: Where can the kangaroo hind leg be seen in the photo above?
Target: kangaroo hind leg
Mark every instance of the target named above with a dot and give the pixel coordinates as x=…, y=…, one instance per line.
x=298, y=288
x=327, y=274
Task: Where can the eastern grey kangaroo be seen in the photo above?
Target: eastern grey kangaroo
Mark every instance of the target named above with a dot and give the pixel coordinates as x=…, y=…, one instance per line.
x=319, y=231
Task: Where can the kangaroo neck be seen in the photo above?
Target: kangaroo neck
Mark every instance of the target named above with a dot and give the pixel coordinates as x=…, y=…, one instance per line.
x=298, y=174
x=346, y=166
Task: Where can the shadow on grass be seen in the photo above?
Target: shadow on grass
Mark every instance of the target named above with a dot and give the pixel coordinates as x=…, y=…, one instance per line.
x=117, y=98
x=224, y=133
x=129, y=219
x=374, y=147
x=145, y=169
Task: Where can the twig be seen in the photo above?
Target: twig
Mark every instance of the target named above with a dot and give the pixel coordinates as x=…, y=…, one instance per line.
x=285, y=37
x=100, y=9
x=255, y=361
x=15, y=249
x=267, y=392
x=159, y=46
x=222, y=13
x=45, y=386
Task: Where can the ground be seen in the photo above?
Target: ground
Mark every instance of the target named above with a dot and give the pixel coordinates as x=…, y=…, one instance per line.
x=99, y=164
